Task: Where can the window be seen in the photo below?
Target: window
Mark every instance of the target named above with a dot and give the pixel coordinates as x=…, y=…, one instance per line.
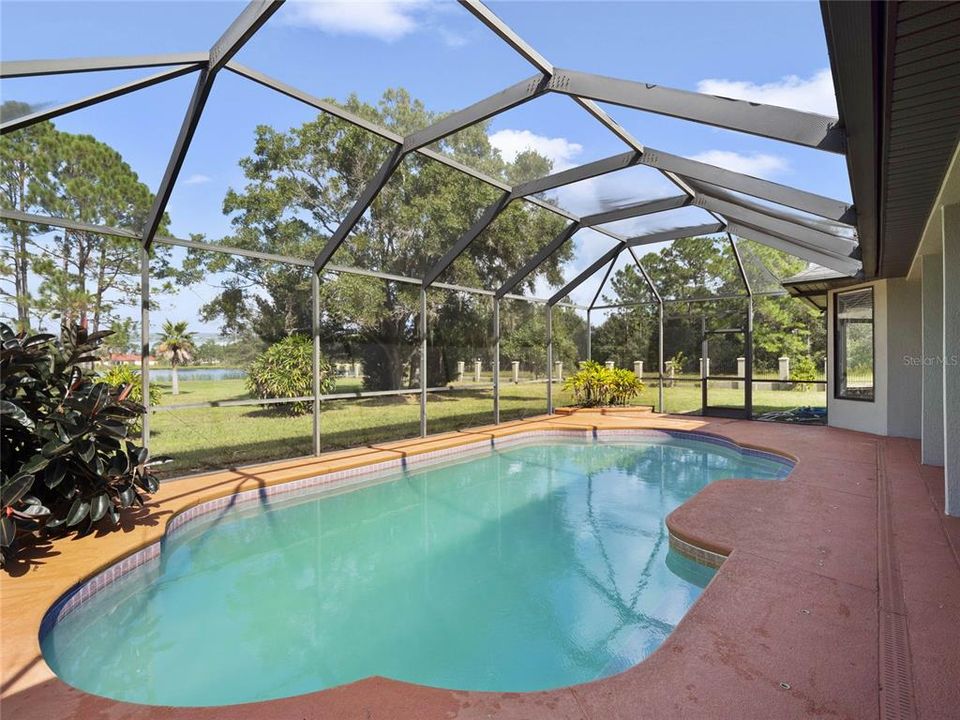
x=853, y=338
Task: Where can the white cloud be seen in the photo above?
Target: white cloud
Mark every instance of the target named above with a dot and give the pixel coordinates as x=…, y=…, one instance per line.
x=452, y=39
x=197, y=179
x=758, y=164
x=813, y=94
x=384, y=19
x=511, y=143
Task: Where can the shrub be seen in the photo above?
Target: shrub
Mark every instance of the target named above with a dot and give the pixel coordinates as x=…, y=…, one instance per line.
x=679, y=361
x=120, y=376
x=594, y=385
x=67, y=462
x=285, y=370
x=803, y=372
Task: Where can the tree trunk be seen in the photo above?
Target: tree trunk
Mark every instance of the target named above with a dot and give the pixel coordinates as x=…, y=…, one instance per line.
x=83, y=257
x=175, y=379
x=66, y=311
x=289, y=318
x=394, y=365
x=101, y=286
x=21, y=262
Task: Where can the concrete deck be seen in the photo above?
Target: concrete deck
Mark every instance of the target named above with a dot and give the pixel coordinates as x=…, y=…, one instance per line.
x=840, y=597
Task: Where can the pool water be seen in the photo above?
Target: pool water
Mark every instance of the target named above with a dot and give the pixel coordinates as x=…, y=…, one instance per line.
x=526, y=568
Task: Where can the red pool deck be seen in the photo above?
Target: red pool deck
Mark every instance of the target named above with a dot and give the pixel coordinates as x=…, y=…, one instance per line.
x=839, y=598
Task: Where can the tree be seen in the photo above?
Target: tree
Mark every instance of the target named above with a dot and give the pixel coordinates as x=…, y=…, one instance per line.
x=523, y=333
x=691, y=267
x=702, y=268
x=302, y=182
x=24, y=186
x=627, y=335
x=123, y=336
x=83, y=276
x=783, y=325
x=209, y=352
x=177, y=346
x=94, y=185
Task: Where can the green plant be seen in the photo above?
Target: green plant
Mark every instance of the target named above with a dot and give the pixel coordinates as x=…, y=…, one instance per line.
x=624, y=386
x=803, y=373
x=67, y=462
x=594, y=384
x=678, y=361
x=121, y=376
x=285, y=370
x=124, y=337
x=177, y=346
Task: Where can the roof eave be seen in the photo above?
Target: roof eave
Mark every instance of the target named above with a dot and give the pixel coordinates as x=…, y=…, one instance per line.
x=855, y=42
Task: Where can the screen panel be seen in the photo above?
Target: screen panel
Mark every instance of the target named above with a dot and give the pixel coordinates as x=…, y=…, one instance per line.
x=459, y=360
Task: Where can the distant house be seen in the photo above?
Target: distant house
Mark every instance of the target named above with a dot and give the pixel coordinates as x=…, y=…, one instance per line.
x=128, y=359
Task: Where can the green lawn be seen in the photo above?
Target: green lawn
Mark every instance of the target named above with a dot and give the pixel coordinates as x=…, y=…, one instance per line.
x=206, y=438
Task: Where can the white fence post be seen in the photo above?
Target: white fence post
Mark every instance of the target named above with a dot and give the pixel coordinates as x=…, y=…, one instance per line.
x=609, y=364
x=784, y=368
x=558, y=365
x=638, y=368
x=460, y=365
x=476, y=371
x=516, y=371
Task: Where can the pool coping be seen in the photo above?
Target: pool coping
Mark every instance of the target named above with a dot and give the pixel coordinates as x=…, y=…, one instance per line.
x=823, y=456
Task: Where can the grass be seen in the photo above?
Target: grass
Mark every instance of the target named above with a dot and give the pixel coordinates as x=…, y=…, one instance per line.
x=217, y=437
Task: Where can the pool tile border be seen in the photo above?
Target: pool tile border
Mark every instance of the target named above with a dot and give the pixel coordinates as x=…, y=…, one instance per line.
x=699, y=554
x=345, y=479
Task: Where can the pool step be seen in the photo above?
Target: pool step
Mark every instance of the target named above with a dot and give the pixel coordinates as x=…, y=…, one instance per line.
x=628, y=410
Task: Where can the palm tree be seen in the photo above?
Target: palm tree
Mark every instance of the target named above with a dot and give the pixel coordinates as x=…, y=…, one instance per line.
x=176, y=345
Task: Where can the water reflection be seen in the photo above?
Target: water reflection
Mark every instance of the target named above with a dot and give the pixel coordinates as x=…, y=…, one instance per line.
x=688, y=570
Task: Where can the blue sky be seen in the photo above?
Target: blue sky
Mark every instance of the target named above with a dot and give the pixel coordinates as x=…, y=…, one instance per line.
x=770, y=52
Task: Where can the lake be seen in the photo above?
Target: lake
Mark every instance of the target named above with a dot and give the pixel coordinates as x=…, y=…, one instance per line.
x=188, y=374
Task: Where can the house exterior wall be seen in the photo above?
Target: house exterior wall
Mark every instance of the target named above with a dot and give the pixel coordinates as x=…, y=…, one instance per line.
x=904, y=358
x=898, y=366
x=937, y=266
x=862, y=415
x=951, y=357
x=931, y=437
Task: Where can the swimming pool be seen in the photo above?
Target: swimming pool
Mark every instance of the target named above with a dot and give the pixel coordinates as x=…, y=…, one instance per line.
x=532, y=566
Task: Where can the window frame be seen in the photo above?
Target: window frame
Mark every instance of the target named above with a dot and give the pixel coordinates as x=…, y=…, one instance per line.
x=839, y=373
